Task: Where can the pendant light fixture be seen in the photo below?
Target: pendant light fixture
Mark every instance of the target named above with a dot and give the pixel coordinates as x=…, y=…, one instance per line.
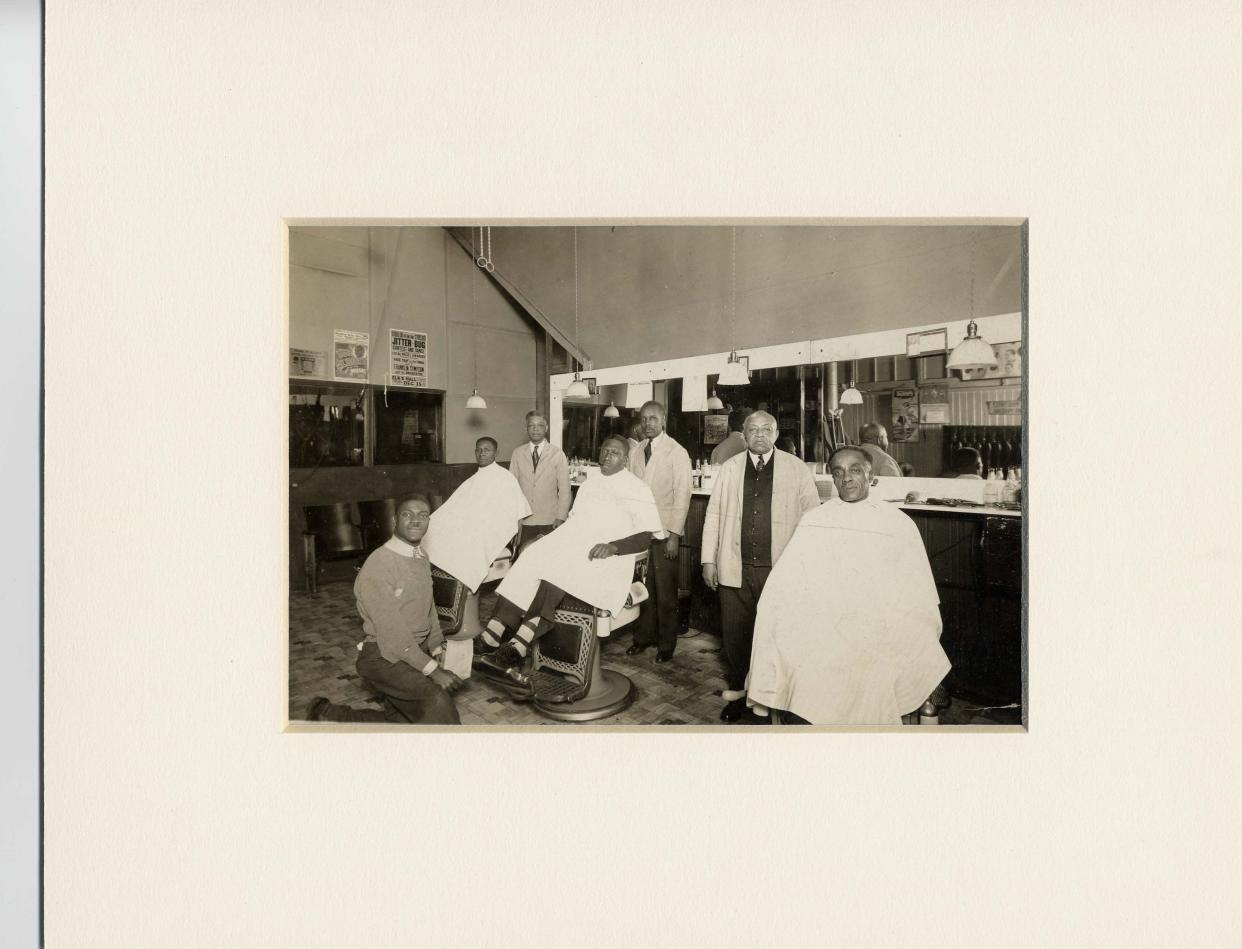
x=577, y=389
x=974, y=352
x=476, y=401
x=714, y=404
x=611, y=411
x=734, y=373
x=849, y=394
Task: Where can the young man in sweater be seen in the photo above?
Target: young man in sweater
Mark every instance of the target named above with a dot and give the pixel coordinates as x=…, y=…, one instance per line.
x=399, y=656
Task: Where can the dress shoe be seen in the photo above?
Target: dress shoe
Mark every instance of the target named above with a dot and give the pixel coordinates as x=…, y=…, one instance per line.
x=635, y=650
x=664, y=656
x=733, y=710
x=481, y=648
x=505, y=667
x=315, y=709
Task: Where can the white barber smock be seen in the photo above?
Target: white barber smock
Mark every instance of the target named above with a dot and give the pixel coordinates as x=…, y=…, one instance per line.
x=607, y=508
x=848, y=628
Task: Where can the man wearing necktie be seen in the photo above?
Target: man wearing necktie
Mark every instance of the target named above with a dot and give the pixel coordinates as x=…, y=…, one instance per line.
x=757, y=500
x=666, y=470
x=543, y=474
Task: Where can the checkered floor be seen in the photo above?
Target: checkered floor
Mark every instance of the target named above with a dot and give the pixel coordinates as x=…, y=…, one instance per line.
x=325, y=629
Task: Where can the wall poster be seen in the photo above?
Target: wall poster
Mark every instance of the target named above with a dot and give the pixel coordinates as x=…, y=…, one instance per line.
x=934, y=405
x=715, y=429
x=407, y=358
x=308, y=362
x=350, y=351
x=905, y=427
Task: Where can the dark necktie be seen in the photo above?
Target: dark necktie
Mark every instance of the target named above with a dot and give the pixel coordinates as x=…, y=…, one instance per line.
x=647, y=452
x=759, y=464
x=534, y=459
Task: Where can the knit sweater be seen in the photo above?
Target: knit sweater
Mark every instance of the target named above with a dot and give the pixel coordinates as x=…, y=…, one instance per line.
x=394, y=597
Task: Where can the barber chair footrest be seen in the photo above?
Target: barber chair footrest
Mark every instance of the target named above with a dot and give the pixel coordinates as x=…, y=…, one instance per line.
x=553, y=688
x=611, y=693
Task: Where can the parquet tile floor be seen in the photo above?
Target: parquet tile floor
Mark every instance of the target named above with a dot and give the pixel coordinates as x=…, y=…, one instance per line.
x=325, y=629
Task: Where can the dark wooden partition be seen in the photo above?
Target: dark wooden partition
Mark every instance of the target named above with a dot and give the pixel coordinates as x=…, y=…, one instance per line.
x=309, y=487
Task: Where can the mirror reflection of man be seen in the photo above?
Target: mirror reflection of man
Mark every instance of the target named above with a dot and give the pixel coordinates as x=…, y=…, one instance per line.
x=848, y=627
x=665, y=466
x=873, y=438
x=399, y=656
x=757, y=500
x=735, y=443
x=967, y=463
x=543, y=473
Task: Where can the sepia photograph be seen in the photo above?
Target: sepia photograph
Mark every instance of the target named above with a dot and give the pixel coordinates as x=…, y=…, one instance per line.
x=709, y=474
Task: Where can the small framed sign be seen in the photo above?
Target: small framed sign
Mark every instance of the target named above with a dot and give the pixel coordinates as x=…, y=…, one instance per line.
x=927, y=343
x=592, y=386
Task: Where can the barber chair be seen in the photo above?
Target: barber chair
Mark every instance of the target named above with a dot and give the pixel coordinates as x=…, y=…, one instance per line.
x=569, y=683
x=332, y=533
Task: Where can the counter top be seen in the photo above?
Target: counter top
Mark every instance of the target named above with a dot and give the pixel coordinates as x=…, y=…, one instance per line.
x=942, y=508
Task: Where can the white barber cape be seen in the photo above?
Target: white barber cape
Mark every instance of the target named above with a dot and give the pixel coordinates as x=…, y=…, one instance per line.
x=469, y=529
x=607, y=508
x=848, y=628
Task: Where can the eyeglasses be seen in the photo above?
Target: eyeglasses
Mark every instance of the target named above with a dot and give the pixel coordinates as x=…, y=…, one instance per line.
x=419, y=516
x=759, y=429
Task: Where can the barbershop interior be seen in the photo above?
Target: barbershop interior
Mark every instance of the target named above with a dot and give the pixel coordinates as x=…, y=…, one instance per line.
x=421, y=354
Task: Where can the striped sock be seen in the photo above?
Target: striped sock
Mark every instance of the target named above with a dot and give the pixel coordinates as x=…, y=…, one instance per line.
x=493, y=634
x=523, y=638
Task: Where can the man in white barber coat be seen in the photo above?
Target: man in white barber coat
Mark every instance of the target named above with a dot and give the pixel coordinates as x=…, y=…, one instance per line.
x=757, y=500
x=665, y=467
x=543, y=474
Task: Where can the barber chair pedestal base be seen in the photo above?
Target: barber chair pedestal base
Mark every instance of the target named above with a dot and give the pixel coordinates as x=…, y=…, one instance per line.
x=610, y=694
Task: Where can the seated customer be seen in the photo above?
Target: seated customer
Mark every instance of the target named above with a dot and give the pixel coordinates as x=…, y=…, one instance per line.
x=469, y=530
x=590, y=556
x=967, y=463
x=848, y=627
x=398, y=656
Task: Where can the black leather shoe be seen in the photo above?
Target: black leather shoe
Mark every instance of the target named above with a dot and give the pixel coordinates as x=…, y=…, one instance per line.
x=635, y=650
x=481, y=648
x=664, y=657
x=505, y=666
x=733, y=710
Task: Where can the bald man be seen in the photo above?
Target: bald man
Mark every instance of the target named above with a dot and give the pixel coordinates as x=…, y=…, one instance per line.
x=848, y=627
x=874, y=441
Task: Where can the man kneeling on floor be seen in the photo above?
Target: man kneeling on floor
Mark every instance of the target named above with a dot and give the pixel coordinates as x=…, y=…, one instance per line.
x=399, y=656
x=591, y=556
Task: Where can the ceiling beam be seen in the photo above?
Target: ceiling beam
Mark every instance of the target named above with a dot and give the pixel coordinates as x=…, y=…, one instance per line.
x=524, y=302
